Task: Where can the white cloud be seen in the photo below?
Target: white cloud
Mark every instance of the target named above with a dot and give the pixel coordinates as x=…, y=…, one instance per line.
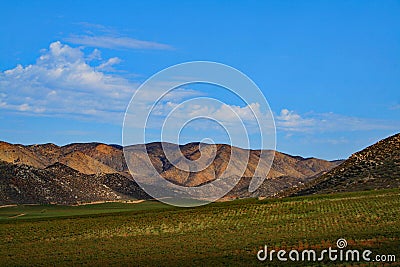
x=247, y=113
x=115, y=42
x=108, y=65
x=24, y=107
x=95, y=55
x=290, y=121
x=62, y=82
x=177, y=114
x=203, y=117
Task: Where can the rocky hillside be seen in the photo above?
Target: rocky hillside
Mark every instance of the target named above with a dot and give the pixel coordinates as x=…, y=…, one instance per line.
x=60, y=184
x=283, y=165
x=375, y=167
x=85, y=172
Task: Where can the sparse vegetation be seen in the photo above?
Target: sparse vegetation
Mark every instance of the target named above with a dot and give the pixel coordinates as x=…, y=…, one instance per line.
x=227, y=233
x=375, y=167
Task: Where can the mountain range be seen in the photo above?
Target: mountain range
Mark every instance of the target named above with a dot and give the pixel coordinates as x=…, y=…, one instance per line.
x=91, y=172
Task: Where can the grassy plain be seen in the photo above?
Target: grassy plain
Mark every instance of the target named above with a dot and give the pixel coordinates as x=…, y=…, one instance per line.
x=229, y=233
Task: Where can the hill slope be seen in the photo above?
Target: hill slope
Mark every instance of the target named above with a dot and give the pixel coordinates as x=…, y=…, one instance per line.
x=375, y=167
x=282, y=166
x=60, y=184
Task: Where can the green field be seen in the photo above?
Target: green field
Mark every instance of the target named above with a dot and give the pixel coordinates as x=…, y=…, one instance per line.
x=229, y=233
x=53, y=211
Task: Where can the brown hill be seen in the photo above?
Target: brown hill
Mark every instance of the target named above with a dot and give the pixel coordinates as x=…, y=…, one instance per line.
x=20, y=154
x=84, y=163
x=375, y=167
x=60, y=184
x=283, y=165
x=47, y=153
x=94, y=160
x=110, y=155
x=83, y=172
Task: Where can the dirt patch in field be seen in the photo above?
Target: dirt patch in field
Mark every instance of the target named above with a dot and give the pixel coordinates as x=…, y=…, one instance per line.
x=16, y=216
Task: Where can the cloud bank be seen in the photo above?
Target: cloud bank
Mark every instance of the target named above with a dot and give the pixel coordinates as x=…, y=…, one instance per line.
x=63, y=82
x=290, y=121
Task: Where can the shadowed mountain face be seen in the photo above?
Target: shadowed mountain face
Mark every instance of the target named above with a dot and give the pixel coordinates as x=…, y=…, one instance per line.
x=60, y=184
x=85, y=172
x=375, y=167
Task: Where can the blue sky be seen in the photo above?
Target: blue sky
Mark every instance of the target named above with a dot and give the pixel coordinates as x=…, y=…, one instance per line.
x=330, y=70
